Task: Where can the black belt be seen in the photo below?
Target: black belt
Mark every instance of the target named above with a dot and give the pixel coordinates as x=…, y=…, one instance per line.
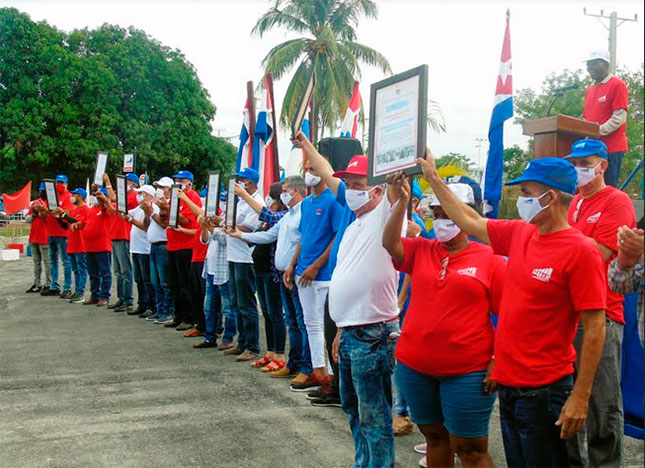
x=159, y=243
x=369, y=325
x=119, y=240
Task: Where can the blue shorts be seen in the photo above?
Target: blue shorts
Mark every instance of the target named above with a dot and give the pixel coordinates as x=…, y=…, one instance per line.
x=459, y=402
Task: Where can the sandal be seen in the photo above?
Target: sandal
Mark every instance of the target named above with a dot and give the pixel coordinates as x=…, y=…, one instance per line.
x=261, y=362
x=274, y=365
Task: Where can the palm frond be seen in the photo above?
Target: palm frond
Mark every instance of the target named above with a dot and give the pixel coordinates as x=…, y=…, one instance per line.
x=282, y=57
x=369, y=56
x=435, y=118
x=275, y=18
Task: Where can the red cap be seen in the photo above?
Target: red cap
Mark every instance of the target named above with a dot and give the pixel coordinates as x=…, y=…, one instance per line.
x=356, y=166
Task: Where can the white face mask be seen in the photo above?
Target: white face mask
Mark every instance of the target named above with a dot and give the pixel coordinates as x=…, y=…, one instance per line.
x=445, y=229
x=183, y=186
x=586, y=175
x=356, y=199
x=311, y=180
x=268, y=200
x=529, y=207
x=72, y=200
x=285, y=197
x=139, y=198
x=242, y=184
x=159, y=194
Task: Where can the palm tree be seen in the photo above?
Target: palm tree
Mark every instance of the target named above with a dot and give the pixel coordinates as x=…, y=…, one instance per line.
x=329, y=47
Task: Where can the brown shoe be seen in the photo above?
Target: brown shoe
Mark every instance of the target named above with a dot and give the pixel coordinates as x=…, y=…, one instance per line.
x=234, y=351
x=283, y=373
x=224, y=345
x=402, y=425
x=246, y=356
x=194, y=332
x=101, y=303
x=184, y=326
x=90, y=301
x=205, y=344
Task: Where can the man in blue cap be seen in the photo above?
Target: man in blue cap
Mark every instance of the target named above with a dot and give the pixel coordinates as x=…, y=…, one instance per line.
x=556, y=277
x=37, y=217
x=597, y=211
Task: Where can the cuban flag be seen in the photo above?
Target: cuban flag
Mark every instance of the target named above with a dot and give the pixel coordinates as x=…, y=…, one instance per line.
x=244, y=152
x=502, y=111
x=294, y=164
x=265, y=152
x=350, y=124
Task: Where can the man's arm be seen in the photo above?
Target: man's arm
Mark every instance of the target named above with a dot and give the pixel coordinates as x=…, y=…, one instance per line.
x=244, y=195
x=261, y=237
x=192, y=206
x=392, y=233
x=287, y=278
x=617, y=119
x=311, y=272
x=318, y=162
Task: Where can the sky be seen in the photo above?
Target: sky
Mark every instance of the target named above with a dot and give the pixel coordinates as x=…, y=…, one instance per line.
x=460, y=42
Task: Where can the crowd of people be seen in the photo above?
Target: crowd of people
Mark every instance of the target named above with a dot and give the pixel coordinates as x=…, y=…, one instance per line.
x=391, y=322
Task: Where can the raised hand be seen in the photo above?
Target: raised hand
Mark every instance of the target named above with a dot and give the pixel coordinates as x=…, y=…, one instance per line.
x=399, y=181
x=428, y=165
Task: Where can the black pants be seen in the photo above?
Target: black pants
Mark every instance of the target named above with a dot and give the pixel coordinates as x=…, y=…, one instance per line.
x=197, y=291
x=179, y=269
x=330, y=334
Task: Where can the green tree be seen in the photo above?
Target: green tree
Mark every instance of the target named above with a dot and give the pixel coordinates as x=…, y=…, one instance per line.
x=456, y=159
x=327, y=45
x=515, y=161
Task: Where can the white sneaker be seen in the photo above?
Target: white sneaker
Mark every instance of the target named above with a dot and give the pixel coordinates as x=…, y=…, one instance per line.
x=423, y=463
x=421, y=448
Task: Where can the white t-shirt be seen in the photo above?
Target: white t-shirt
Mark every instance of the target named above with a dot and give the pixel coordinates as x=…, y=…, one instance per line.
x=155, y=232
x=237, y=250
x=139, y=243
x=364, y=284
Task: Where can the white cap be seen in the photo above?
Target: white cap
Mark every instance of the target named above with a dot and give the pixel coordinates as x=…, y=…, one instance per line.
x=149, y=189
x=164, y=182
x=463, y=192
x=598, y=54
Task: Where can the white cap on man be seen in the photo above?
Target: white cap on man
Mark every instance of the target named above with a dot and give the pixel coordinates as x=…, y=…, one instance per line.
x=164, y=182
x=149, y=189
x=599, y=55
x=463, y=192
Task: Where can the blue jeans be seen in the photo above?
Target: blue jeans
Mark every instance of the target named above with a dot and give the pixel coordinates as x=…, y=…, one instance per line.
x=58, y=248
x=271, y=306
x=229, y=329
x=299, y=354
x=78, y=261
x=528, y=417
x=145, y=288
x=366, y=361
x=212, y=309
x=242, y=287
x=612, y=175
x=160, y=280
x=122, y=270
x=98, y=267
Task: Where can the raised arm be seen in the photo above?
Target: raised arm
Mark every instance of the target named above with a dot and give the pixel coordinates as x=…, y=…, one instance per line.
x=244, y=195
x=392, y=233
x=319, y=163
x=196, y=210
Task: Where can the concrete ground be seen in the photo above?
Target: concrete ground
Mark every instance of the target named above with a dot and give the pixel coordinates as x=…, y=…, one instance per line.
x=86, y=387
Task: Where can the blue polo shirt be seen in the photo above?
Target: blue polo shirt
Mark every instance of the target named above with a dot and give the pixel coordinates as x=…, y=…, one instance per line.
x=344, y=218
x=318, y=223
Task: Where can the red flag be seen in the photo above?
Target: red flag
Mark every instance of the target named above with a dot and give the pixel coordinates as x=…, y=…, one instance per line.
x=267, y=149
x=17, y=201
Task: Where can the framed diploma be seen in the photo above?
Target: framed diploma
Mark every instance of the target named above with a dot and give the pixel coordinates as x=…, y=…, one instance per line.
x=128, y=163
x=173, y=213
x=303, y=105
x=101, y=166
x=398, y=124
x=231, y=203
x=121, y=195
x=50, y=193
x=212, y=194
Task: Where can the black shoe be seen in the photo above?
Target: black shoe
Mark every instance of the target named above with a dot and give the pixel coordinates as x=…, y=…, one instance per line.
x=116, y=305
x=173, y=324
x=146, y=314
x=50, y=292
x=66, y=294
x=123, y=308
x=205, y=344
x=33, y=289
x=314, y=394
x=136, y=311
x=327, y=400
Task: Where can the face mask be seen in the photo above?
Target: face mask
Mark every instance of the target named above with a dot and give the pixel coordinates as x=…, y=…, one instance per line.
x=72, y=200
x=183, y=186
x=356, y=199
x=242, y=184
x=268, y=200
x=60, y=188
x=311, y=180
x=586, y=175
x=529, y=207
x=159, y=193
x=139, y=198
x=445, y=229
x=285, y=197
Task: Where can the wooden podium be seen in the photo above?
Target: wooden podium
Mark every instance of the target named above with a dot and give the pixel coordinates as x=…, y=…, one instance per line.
x=555, y=135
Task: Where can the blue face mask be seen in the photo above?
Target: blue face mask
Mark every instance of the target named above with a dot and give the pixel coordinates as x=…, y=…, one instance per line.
x=529, y=207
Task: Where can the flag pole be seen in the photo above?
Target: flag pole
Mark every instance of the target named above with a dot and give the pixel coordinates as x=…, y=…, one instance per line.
x=276, y=162
x=250, y=95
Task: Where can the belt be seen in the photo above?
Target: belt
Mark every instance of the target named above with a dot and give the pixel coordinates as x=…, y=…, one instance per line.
x=369, y=325
x=119, y=240
x=159, y=243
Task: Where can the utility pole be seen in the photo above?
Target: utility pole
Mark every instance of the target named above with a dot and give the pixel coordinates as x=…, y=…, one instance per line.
x=480, y=143
x=612, y=28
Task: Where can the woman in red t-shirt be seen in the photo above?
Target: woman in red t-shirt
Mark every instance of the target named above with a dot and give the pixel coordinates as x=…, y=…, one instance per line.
x=445, y=351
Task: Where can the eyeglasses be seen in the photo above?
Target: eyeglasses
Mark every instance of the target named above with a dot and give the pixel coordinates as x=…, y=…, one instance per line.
x=576, y=214
x=444, y=265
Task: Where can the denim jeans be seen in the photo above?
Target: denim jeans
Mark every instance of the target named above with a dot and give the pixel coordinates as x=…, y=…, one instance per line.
x=612, y=174
x=58, y=248
x=299, y=354
x=271, y=306
x=212, y=309
x=242, y=287
x=40, y=254
x=160, y=280
x=98, y=267
x=122, y=270
x=145, y=288
x=78, y=261
x=528, y=417
x=229, y=329
x=366, y=361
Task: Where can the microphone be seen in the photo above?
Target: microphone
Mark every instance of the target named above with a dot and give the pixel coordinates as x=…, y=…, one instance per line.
x=566, y=88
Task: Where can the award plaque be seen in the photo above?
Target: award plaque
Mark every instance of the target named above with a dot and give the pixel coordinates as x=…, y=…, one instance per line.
x=231, y=203
x=212, y=194
x=173, y=214
x=303, y=105
x=121, y=195
x=101, y=166
x=50, y=193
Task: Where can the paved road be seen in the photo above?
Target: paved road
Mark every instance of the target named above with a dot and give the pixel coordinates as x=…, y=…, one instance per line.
x=86, y=387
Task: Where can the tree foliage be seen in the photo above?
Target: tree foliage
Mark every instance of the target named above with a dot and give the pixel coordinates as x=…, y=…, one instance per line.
x=456, y=159
x=515, y=161
x=63, y=97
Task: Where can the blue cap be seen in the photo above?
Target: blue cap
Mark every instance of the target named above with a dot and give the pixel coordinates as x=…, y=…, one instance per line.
x=416, y=190
x=556, y=173
x=202, y=192
x=588, y=147
x=104, y=191
x=132, y=177
x=249, y=173
x=223, y=195
x=80, y=191
x=184, y=175
x=462, y=179
x=61, y=178
x=41, y=186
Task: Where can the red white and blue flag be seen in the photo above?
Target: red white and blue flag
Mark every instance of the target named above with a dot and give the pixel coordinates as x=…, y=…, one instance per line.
x=350, y=124
x=502, y=111
x=265, y=151
x=244, y=151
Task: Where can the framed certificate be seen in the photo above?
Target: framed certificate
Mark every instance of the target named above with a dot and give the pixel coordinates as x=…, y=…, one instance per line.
x=303, y=105
x=128, y=163
x=50, y=193
x=173, y=214
x=231, y=203
x=212, y=194
x=398, y=124
x=101, y=166
x=121, y=195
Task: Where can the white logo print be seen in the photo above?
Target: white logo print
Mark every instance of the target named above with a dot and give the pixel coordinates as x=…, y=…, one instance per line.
x=543, y=274
x=594, y=218
x=602, y=99
x=472, y=271
x=355, y=163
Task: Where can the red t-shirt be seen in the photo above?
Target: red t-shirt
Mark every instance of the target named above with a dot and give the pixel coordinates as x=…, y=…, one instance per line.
x=178, y=240
x=75, y=242
x=96, y=231
x=550, y=279
x=38, y=231
x=54, y=229
x=599, y=217
x=447, y=328
x=601, y=101
x=120, y=228
x=199, y=249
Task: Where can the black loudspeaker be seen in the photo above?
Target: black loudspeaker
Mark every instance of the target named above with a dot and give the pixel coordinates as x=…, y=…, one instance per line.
x=338, y=151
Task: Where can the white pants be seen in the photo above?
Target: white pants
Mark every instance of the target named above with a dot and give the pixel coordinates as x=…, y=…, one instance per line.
x=312, y=300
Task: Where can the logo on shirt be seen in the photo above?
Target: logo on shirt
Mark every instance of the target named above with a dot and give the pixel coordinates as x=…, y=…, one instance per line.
x=602, y=98
x=472, y=271
x=543, y=274
x=594, y=218
x=319, y=211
